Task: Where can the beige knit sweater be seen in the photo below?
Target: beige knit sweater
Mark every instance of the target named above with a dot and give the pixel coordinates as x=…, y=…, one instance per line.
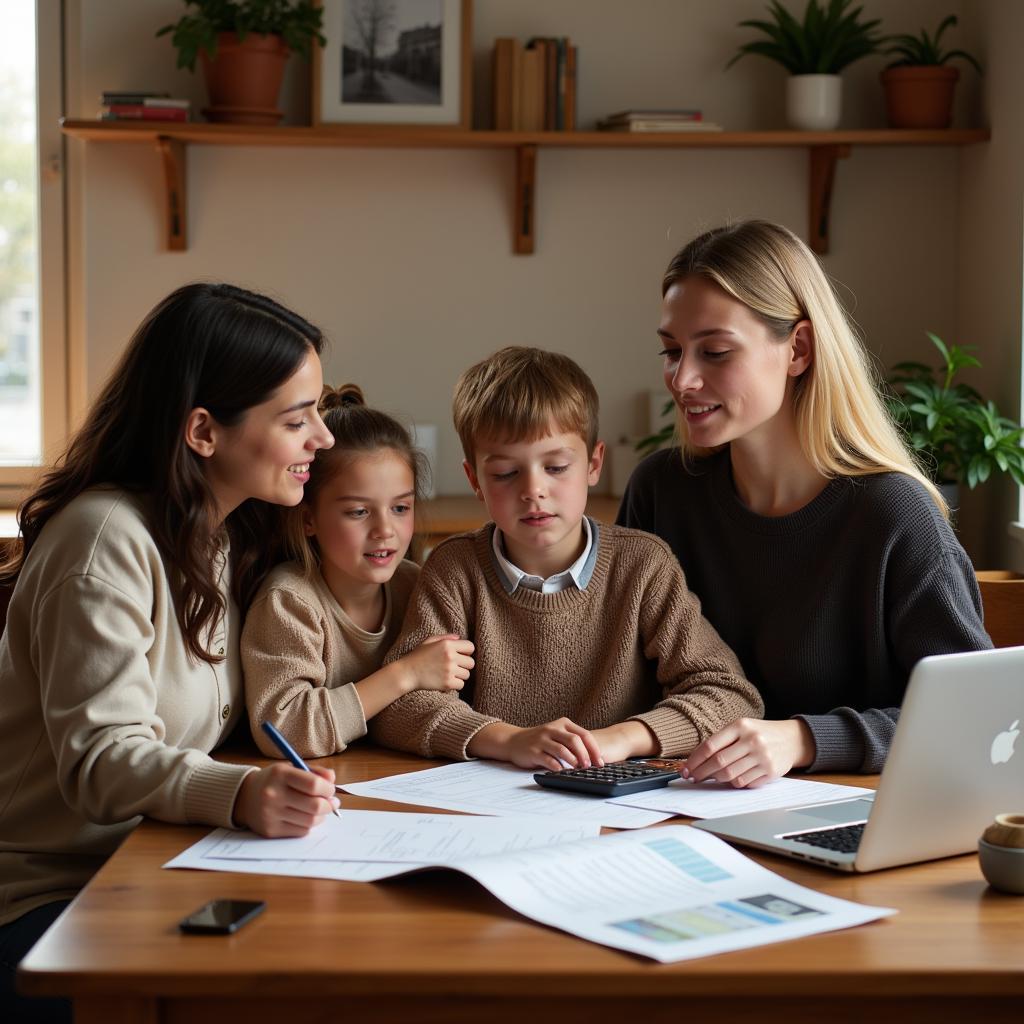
x=632, y=645
x=103, y=715
x=301, y=655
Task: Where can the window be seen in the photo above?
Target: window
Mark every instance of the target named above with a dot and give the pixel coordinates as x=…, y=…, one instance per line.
x=33, y=406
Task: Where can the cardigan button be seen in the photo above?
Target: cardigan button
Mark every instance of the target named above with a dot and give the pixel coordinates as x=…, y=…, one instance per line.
x=225, y=712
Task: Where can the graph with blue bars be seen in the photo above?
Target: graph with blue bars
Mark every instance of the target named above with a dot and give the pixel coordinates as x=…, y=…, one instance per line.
x=689, y=860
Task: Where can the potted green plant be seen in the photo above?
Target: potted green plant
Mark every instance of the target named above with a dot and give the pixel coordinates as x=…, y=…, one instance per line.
x=813, y=51
x=958, y=436
x=659, y=435
x=918, y=85
x=243, y=46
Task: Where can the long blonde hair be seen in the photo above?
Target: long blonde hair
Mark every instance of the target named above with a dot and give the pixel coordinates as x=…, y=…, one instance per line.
x=841, y=420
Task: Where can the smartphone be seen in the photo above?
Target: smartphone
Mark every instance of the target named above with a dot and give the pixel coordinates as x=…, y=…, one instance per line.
x=221, y=917
x=619, y=779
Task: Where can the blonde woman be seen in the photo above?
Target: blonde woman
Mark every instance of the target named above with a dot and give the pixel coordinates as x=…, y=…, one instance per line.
x=819, y=551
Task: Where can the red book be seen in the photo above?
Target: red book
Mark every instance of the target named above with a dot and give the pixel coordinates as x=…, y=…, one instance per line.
x=140, y=112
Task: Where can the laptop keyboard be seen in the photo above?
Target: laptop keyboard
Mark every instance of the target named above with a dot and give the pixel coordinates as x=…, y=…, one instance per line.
x=842, y=839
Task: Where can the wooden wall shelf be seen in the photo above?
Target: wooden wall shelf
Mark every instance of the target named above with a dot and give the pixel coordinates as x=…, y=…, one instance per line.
x=171, y=141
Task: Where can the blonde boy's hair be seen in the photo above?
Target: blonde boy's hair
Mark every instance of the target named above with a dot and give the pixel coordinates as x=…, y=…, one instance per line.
x=517, y=393
x=842, y=423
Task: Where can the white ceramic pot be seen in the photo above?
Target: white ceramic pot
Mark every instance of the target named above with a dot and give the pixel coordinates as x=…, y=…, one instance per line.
x=814, y=102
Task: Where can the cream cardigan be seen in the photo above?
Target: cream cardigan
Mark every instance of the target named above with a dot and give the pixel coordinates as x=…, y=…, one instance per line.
x=104, y=717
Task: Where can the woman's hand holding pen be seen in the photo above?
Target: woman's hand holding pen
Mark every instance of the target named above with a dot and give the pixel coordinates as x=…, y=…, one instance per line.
x=751, y=752
x=284, y=801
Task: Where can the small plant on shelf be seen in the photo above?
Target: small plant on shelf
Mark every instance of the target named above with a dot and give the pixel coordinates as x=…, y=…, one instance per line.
x=813, y=51
x=826, y=41
x=918, y=84
x=924, y=50
x=243, y=46
x=957, y=435
x=297, y=22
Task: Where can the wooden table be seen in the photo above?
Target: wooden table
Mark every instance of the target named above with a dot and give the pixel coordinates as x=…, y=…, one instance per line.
x=436, y=948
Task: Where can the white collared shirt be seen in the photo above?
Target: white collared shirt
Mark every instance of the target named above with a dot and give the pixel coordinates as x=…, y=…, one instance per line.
x=571, y=577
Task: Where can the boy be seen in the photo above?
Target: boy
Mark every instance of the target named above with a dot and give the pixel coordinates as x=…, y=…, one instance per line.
x=569, y=617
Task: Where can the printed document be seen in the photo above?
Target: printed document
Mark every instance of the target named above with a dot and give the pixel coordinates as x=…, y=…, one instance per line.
x=495, y=788
x=672, y=893
x=364, y=846
x=400, y=837
x=196, y=857
x=719, y=800
x=664, y=893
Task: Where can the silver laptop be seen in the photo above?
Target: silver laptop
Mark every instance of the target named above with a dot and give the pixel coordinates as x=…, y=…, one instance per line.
x=951, y=768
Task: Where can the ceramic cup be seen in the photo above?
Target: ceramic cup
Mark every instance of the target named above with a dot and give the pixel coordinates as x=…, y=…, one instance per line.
x=1001, y=853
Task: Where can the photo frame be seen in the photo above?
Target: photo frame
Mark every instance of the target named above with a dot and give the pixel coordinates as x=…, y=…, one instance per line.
x=394, y=62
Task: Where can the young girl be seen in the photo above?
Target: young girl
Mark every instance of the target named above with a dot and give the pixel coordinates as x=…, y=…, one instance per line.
x=328, y=618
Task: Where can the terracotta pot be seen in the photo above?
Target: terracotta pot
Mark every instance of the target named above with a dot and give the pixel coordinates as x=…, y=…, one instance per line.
x=919, y=97
x=244, y=78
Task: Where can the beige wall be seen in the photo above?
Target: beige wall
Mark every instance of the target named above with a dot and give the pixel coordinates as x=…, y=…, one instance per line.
x=404, y=257
x=991, y=262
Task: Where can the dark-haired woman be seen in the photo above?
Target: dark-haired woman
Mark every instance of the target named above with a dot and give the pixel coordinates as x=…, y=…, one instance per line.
x=119, y=667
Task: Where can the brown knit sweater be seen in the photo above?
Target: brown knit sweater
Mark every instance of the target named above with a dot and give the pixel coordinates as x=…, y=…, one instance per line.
x=631, y=645
x=302, y=655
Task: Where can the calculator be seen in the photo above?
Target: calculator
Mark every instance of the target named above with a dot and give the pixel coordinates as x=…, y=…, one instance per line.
x=613, y=779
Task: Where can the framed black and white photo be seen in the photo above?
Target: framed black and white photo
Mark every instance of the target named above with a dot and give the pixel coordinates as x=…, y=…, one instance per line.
x=394, y=62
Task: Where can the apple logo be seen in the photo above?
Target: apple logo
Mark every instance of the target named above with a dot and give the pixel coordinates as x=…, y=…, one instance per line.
x=1002, y=745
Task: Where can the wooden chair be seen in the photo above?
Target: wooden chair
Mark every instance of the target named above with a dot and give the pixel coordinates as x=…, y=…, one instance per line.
x=1002, y=596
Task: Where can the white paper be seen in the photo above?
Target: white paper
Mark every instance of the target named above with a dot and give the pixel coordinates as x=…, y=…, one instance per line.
x=494, y=788
x=666, y=893
x=397, y=837
x=196, y=857
x=672, y=893
x=719, y=800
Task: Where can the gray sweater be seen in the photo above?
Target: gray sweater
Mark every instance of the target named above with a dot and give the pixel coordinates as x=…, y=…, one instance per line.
x=828, y=608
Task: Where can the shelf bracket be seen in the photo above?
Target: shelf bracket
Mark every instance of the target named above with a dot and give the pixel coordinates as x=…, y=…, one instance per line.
x=822, y=175
x=172, y=155
x=525, y=199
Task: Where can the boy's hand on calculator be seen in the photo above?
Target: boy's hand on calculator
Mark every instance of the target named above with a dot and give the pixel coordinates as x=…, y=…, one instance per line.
x=627, y=739
x=552, y=745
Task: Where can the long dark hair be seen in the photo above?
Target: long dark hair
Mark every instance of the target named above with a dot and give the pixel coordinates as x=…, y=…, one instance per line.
x=211, y=345
x=357, y=430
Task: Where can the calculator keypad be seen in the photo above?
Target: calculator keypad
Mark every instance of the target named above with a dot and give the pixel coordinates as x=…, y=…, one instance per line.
x=613, y=772
x=609, y=780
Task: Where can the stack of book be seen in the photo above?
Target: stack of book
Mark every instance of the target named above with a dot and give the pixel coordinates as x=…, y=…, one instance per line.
x=658, y=121
x=143, y=106
x=535, y=85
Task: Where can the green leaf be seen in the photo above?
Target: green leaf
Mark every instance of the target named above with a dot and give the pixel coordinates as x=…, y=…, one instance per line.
x=939, y=344
x=920, y=389
x=963, y=55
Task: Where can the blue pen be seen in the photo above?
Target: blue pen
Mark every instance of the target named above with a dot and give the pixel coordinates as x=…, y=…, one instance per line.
x=289, y=751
